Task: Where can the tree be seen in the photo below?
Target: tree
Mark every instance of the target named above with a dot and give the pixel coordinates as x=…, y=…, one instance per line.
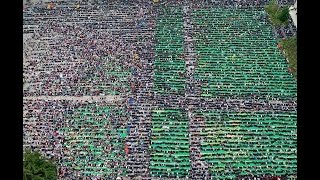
x=36, y=167
x=284, y=14
x=290, y=48
x=278, y=15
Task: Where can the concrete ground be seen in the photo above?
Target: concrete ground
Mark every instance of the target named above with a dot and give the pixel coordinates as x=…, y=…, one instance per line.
x=293, y=16
x=293, y=13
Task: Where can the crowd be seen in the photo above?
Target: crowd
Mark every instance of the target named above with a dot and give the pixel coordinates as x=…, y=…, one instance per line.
x=85, y=139
x=232, y=83
x=264, y=177
x=101, y=49
x=286, y=31
x=69, y=60
x=91, y=51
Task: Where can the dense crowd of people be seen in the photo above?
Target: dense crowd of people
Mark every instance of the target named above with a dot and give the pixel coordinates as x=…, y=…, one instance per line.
x=82, y=54
x=72, y=60
x=287, y=31
x=83, y=138
x=97, y=48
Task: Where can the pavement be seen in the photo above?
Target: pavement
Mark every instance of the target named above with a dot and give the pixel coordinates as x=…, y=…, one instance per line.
x=293, y=13
x=293, y=16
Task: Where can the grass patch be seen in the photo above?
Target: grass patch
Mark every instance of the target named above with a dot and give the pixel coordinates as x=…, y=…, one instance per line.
x=289, y=46
x=278, y=15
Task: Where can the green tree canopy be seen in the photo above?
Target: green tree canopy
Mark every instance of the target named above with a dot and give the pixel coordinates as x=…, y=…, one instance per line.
x=36, y=167
x=278, y=15
x=284, y=14
x=290, y=48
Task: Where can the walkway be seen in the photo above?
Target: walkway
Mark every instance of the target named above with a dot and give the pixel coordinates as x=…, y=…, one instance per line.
x=293, y=14
x=199, y=168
